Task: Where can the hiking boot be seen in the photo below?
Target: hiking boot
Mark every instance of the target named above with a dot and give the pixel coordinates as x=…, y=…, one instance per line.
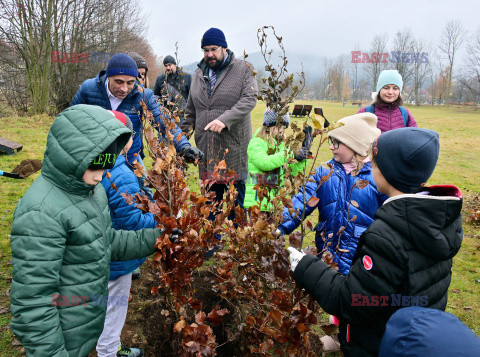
x=136, y=274
x=129, y=352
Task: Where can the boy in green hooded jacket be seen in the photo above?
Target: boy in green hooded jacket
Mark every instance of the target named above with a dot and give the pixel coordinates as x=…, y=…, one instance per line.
x=62, y=240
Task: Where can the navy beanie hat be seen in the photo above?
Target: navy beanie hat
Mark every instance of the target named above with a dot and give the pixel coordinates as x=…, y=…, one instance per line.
x=214, y=36
x=169, y=59
x=406, y=157
x=122, y=64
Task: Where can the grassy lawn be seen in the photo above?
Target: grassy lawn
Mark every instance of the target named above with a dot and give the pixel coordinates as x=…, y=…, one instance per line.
x=459, y=130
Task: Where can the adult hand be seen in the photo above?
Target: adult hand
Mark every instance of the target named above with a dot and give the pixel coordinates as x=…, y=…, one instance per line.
x=191, y=153
x=295, y=257
x=216, y=126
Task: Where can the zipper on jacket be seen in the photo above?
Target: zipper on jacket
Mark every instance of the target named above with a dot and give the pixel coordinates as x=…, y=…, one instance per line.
x=389, y=117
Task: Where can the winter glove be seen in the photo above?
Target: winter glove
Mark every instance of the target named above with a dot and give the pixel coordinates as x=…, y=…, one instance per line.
x=295, y=257
x=191, y=153
x=306, y=145
x=176, y=233
x=278, y=233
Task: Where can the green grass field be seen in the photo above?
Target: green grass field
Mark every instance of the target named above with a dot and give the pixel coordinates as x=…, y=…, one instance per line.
x=459, y=130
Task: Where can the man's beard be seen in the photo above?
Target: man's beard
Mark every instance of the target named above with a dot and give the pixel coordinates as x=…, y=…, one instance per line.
x=217, y=64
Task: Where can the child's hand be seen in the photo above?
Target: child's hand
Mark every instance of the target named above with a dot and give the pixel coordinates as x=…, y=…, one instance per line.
x=295, y=257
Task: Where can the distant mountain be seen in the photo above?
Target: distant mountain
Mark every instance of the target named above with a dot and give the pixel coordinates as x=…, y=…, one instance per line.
x=312, y=65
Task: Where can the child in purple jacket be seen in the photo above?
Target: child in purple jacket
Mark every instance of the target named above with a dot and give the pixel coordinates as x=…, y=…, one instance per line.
x=387, y=105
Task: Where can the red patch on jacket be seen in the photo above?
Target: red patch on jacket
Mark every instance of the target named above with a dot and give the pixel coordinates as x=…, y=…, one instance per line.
x=367, y=262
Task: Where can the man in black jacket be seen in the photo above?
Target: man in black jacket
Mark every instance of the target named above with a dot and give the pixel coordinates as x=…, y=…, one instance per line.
x=173, y=86
x=404, y=258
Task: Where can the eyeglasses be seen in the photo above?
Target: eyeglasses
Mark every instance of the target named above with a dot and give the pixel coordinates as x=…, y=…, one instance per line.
x=334, y=142
x=213, y=49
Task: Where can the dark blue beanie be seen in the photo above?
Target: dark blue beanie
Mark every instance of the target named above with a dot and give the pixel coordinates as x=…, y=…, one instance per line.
x=406, y=157
x=122, y=64
x=214, y=36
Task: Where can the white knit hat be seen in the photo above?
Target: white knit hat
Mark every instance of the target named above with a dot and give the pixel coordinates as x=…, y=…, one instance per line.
x=358, y=132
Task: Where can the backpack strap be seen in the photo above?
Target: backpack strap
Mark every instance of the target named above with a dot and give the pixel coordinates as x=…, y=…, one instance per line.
x=404, y=115
x=370, y=109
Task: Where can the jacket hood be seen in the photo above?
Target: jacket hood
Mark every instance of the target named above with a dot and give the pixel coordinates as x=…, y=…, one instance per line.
x=76, y=137
x=431, y=220
x=420, y=331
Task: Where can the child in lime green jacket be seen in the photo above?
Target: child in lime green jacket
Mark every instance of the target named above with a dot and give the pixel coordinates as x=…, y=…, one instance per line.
x=266, y=158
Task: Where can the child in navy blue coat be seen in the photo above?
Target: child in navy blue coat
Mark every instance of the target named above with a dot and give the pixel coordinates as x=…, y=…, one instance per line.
x=126, y=217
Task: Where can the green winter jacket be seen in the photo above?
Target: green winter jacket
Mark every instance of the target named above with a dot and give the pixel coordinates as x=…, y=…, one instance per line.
x=62, y=240
x=261, y=162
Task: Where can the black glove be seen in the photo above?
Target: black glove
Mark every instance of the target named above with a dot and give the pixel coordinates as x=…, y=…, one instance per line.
x=176, y=233
x=191, y=153
x=306, y=145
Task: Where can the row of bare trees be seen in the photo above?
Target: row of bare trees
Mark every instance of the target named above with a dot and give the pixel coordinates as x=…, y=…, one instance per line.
x=431, y=72
x=48, y=48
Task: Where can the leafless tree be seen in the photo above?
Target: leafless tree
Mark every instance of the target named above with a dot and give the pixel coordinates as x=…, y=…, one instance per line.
x=354, y=75
x=453, y=37
x=471, y=76
x=52, y=43
x=421, y=67
x=402, y=54
x=378, y=45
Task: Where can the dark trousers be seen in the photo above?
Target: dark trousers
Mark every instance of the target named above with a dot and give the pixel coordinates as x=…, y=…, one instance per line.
x=220, y=189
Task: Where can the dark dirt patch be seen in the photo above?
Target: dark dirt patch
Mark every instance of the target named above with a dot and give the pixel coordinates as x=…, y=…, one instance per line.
x=27, y=167
x=148, y=328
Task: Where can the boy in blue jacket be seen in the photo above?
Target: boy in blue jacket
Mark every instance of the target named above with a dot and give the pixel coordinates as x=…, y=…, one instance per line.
x=130, y=218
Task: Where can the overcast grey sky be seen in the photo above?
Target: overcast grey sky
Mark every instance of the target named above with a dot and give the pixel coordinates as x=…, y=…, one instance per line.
x=317, y=27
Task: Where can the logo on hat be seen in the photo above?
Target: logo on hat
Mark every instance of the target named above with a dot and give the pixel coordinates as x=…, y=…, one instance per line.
x=367, y=262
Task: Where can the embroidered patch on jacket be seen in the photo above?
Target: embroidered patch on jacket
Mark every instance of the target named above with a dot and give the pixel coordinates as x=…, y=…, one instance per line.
x=367, y=262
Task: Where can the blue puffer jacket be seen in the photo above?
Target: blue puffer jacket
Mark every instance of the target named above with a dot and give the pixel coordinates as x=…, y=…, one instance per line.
x=93, y=92
x=334, y=197
x=124, y=216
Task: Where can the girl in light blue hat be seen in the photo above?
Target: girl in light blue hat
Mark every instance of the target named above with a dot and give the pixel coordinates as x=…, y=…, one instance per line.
x=387, y=105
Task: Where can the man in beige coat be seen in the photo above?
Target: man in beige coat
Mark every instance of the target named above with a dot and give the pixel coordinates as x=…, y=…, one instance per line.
x=222, y=95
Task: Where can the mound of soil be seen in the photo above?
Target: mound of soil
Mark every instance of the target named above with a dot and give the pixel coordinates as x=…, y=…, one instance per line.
x=27, y=167
x=149, y=327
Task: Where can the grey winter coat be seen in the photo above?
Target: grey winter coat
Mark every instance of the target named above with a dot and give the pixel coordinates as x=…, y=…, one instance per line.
x=232, y=100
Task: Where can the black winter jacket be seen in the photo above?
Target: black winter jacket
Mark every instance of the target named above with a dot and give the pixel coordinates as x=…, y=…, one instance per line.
x=404, y=258
x=176, y=87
